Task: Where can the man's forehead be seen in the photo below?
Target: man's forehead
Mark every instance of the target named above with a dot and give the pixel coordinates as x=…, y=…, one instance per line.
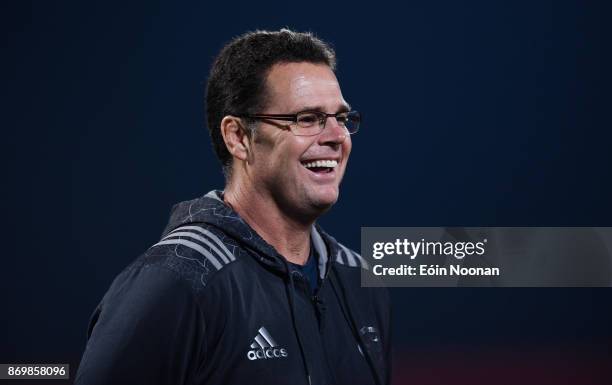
x=299, y=84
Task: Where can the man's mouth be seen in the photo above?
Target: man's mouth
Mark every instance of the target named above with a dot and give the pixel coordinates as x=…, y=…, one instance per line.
x=321, y=166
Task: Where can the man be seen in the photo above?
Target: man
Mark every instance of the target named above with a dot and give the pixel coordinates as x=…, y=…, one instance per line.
x=244, y=287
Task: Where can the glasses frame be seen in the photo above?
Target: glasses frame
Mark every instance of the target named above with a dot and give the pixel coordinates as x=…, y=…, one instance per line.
x=294, y=118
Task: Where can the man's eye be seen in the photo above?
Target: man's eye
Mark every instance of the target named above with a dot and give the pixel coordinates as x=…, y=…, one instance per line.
x=307, y=119
x=342, y=119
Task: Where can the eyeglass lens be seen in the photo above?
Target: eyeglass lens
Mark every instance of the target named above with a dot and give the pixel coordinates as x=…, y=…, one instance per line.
x=312, y=122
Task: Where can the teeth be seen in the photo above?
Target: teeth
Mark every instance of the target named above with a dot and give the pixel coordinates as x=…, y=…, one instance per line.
x=321, y=163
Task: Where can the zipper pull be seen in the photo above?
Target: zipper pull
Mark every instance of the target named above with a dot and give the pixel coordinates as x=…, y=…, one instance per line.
x=320, y=309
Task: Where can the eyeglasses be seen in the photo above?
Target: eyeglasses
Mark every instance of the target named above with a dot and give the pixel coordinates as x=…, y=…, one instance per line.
x=308, y=123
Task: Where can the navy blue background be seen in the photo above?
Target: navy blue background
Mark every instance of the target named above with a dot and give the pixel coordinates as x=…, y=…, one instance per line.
x=476, y=113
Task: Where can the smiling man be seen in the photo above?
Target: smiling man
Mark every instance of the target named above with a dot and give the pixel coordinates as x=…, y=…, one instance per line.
x=291, y=165
x=244, y=287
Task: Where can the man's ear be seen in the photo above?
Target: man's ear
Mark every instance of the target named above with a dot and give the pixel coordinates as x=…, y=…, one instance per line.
x=235, y=137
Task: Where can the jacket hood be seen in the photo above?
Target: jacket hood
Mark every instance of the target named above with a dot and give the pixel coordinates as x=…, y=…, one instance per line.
x=212, y=210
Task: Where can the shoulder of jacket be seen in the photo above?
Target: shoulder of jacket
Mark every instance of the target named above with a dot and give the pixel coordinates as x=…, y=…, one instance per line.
x=347, y=257
x=196, y=252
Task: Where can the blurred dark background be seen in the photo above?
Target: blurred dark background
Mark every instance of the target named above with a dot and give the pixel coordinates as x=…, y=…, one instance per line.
x=476, y=113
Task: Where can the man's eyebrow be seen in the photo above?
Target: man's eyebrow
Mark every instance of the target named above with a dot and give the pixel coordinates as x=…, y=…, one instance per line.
x=345, y=107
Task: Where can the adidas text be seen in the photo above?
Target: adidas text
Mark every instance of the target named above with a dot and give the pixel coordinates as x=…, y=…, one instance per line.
x=266, y=353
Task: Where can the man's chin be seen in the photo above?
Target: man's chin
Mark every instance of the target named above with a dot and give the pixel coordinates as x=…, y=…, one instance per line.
x=323, y=201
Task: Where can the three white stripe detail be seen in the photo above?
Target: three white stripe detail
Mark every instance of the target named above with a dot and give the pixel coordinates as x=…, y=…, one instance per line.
x=210, y=235
x=352, y=258
x=218, y=248
x=194, y=246
x=349, y=256
x=201, y=239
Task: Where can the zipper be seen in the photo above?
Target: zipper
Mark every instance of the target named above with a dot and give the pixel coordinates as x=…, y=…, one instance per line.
x=320, y=310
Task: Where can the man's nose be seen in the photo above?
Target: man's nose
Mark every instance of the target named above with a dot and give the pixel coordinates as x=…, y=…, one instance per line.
x=333, y=131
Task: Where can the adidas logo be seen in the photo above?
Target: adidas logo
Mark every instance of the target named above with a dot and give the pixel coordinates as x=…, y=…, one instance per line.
x=265, y=347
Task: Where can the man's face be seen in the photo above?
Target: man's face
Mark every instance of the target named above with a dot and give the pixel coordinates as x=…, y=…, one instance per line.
x=279, y=158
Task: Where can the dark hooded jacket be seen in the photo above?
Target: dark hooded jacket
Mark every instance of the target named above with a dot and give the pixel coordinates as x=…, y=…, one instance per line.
x=213, y=303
